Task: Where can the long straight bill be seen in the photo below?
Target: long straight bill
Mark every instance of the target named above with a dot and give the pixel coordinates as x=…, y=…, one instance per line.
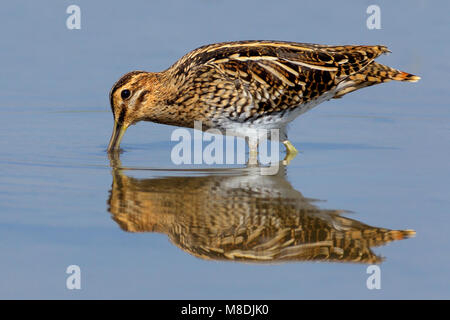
x=116, y=137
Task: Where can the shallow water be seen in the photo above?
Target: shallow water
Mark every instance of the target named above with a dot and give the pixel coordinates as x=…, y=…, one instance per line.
x=375, y=160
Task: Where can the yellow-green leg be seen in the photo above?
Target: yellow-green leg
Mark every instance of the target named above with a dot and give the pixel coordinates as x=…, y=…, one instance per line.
x=291, y=152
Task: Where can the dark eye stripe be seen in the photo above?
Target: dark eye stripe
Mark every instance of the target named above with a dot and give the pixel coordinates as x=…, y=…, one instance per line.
x=121, y=116
x=142, y=96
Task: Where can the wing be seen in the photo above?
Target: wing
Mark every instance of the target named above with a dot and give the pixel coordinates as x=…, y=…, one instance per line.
x=255, y=78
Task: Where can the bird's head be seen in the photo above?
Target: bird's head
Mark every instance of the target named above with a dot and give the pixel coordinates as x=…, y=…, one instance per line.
x=134, y=97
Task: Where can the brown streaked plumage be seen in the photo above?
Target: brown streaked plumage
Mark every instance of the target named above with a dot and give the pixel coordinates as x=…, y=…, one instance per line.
x=245, y=86
x=242, y=216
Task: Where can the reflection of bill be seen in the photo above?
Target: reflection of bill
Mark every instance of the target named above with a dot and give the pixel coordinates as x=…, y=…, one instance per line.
x=241, y=215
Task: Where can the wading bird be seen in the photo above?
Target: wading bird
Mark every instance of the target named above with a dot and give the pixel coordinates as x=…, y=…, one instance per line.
x=246, y=87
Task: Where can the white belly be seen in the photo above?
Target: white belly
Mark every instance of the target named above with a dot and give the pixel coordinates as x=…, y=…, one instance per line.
x=261, y=127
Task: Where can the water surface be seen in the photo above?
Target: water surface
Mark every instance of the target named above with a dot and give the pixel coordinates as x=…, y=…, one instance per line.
x=371, y=165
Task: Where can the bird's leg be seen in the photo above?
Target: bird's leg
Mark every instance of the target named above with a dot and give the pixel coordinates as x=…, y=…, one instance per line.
x=253, y=151
x=291, y=152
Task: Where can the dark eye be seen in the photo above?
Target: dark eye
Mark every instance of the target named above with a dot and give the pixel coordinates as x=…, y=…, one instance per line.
x=125, y=94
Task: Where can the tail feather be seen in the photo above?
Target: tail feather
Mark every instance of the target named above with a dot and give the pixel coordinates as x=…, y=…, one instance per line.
x=374, y=73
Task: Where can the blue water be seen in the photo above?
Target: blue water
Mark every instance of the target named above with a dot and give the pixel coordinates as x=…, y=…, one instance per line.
x=381, y=153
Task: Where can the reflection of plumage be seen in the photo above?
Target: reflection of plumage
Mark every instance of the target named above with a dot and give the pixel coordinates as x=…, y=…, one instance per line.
x=244, y=217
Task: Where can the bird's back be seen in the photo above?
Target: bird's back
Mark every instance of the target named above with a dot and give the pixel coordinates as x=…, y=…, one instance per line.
x=251, y=82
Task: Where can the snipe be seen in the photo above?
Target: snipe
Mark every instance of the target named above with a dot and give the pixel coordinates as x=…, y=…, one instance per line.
x=245, y=86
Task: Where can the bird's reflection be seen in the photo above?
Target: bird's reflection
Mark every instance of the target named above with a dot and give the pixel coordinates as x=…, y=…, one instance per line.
x=242, y=215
